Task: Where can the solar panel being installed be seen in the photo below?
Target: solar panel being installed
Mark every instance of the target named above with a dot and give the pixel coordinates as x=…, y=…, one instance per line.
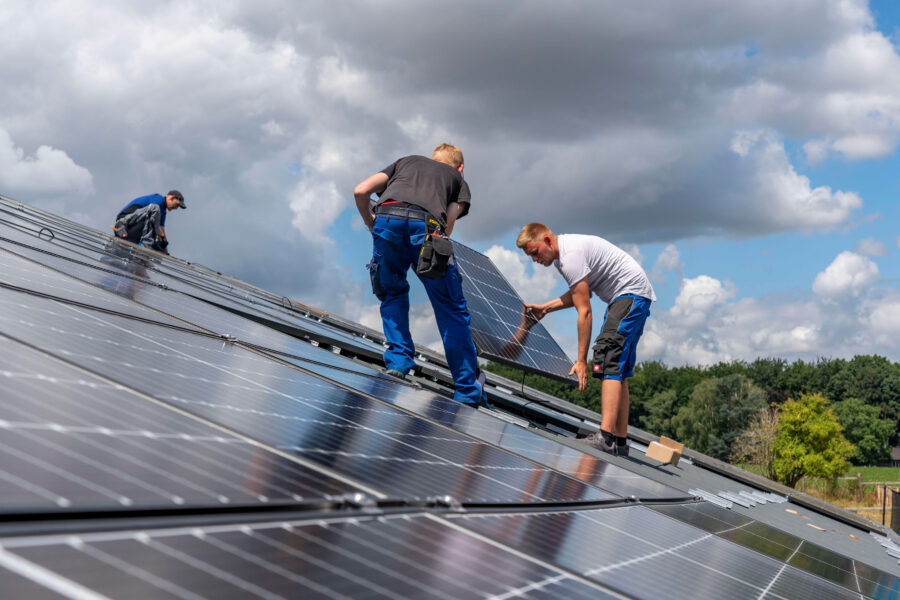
x=497, y=320
x=155, y=410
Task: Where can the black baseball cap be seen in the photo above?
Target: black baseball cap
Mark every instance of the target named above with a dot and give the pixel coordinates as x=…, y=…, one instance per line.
x=177, y=195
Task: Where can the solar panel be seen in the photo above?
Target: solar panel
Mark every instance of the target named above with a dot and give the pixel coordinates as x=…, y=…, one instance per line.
x=100, y=268
x=783, y=546
x=411, y=557
x=640, y=553
x=364, y=439
x=496, y=316
x=71, y=440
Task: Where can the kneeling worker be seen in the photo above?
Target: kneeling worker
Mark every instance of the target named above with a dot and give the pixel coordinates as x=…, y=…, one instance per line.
x=420, y=197
x=143, y=220
x=591, y=264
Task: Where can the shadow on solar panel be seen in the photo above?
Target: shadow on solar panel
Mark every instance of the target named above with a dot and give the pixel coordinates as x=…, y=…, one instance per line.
x=497, y=320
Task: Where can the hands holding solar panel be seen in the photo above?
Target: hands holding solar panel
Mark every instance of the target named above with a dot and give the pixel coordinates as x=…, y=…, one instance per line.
x=590, y=264
x=420, y=197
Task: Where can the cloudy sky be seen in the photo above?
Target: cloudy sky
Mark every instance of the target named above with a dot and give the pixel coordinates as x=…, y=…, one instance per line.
x=746, y=153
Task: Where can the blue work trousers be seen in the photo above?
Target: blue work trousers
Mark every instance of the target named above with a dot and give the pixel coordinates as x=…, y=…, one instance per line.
x=397, y=243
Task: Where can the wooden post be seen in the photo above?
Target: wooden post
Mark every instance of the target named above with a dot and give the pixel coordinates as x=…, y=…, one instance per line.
x=859, y=485
x=883, y=504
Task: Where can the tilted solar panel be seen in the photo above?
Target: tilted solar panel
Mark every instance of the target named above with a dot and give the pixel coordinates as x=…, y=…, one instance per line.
x=498, y=319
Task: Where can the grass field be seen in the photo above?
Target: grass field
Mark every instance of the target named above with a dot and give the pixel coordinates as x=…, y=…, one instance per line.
x=845, y=492
x=875, y=473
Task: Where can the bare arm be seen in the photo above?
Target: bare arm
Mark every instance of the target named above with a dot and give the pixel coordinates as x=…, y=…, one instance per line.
x=162, y=232
x=375, y=184
x=539, y=311
x=453, y=212
x=581, y=298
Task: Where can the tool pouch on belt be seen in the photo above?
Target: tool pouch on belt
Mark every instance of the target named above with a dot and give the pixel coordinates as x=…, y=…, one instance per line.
x=435, y=254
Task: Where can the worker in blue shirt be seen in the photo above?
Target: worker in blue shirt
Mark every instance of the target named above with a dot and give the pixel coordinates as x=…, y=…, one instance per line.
x=143, y=220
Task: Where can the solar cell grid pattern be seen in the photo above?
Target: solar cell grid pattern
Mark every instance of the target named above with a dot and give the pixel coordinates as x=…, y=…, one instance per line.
x=642, y=553
x=136, y=269
x=786, y=547
x=416, y=557
x=71, y=440
x=496, y=317
x=363, y=439
x=23, y=273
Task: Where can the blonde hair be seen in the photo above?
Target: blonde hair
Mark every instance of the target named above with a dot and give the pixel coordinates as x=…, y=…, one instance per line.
x=448, y=154
x=532, y=233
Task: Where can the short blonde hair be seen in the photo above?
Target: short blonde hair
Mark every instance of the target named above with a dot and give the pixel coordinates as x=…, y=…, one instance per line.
x=448, y=154
x=532, y=233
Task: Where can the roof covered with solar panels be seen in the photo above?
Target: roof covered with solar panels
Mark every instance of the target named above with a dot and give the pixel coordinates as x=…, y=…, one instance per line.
x=243, y=445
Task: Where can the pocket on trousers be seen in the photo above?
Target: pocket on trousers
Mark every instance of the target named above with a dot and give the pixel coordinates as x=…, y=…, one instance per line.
x=375, y=278
x=607, y=354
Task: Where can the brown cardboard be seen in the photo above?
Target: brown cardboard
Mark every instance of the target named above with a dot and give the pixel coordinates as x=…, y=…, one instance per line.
x=677, y=446
x=663, y=454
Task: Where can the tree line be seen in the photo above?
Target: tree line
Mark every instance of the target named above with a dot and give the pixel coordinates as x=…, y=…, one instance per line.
x=768, y=410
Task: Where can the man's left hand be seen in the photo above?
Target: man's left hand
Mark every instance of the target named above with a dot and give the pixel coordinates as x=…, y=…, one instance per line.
x=580, y=369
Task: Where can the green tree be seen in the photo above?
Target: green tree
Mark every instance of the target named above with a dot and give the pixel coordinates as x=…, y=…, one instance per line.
x=809, y=441
x=719, y=409
x=865, y=429
x=658, y=411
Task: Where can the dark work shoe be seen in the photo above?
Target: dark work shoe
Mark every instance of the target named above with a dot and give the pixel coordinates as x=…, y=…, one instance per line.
x=395, y=373
x=120, y=229
x=481, y=380
x=622, y=449
x=595, y=440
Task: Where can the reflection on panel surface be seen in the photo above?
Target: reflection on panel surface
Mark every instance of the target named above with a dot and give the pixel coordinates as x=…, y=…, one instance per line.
x=364, y=439
x=71, y=440
x=786, y=547
x=496, y=312
x=640, y=552
x=415, y=557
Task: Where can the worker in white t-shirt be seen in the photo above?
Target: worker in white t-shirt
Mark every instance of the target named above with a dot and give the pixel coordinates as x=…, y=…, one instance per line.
x=591, y=264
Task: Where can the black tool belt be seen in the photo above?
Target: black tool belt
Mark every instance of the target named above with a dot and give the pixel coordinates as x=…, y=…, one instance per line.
x=402, y=209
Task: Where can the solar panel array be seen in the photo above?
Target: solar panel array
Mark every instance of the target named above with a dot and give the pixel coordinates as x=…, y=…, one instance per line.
x=166, y=431
x=500, y=328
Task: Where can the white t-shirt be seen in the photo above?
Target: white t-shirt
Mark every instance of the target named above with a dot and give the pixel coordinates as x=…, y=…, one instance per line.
x=610, y=271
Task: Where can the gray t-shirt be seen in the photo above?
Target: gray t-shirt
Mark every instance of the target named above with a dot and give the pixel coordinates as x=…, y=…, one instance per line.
x=610, y=271
x=426, y=183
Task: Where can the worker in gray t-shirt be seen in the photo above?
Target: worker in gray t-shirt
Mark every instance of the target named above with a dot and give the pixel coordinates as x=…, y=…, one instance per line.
x=590, y=264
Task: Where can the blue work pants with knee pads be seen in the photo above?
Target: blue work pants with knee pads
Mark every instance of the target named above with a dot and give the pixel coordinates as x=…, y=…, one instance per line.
x=396, y=246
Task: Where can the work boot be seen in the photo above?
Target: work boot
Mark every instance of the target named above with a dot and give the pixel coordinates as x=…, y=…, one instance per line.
x=622, y=449
x=481, y=380
x=595, y=440
x=120, y=229
x=395, y=373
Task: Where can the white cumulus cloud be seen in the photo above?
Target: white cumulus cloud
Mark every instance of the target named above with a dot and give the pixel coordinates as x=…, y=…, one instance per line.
x=48, y=171
x=849, y=274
